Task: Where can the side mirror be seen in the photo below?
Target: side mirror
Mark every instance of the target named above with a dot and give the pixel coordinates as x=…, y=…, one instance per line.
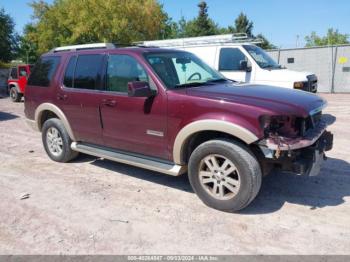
x=244, y=66
x=140, y=89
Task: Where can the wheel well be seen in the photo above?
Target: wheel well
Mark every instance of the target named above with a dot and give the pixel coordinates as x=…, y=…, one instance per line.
x=44, y=116
x=200, y=137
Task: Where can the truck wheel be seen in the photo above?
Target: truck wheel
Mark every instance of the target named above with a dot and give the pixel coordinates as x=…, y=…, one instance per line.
x=57, y=141
x=14, y=95
x=224, y=174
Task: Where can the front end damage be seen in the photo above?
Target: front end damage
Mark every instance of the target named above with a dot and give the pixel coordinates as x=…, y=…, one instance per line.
x=295, y=144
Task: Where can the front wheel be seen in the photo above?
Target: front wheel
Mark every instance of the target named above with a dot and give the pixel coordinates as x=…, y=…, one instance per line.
x=15, y=95
x=224, y=174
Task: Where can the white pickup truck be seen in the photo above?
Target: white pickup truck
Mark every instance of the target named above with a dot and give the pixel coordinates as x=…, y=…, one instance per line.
x=239, y=59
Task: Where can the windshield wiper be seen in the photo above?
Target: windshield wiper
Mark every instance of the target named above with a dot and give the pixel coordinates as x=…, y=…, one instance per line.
x=191, y=84
x=217, y=80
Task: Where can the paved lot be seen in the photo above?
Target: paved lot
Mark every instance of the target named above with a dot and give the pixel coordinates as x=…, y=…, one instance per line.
x=94, y=206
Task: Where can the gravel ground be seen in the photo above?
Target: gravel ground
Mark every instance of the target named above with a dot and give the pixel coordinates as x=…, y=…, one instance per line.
x=94, y=206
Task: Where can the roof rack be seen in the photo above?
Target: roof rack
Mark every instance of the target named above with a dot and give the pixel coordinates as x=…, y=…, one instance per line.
x=202, y=40
x=83, y=47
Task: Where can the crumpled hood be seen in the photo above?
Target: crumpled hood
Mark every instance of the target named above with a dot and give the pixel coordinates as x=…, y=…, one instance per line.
x=274, y=99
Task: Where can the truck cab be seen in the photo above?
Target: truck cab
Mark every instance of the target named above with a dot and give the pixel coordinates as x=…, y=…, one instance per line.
x=239, y=59
x=17, y=81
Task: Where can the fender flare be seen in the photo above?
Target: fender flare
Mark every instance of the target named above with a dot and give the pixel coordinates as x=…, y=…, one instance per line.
x=56, y=110
x=209, y=125
x=15, y=85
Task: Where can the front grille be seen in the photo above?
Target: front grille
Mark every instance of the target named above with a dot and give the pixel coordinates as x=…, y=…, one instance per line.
x=306, y=124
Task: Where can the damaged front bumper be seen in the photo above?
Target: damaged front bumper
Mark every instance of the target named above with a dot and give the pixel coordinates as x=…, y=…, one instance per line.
x=302, y=155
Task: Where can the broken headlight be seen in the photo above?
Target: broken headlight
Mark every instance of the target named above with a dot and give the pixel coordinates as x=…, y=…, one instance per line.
x=275, y=124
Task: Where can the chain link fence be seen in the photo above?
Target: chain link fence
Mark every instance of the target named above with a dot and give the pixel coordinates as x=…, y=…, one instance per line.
x=331, y=64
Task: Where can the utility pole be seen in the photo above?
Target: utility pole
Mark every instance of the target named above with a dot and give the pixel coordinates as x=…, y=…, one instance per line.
x=297, y=41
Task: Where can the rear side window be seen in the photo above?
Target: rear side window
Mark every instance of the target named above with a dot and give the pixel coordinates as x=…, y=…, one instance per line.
x=43, y=71
x=87, y=73
x=230, y=59
x=14, y=73
x=69, y=75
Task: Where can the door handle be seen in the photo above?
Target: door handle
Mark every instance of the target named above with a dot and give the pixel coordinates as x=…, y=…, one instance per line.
x=109, y=102
x=61, y=96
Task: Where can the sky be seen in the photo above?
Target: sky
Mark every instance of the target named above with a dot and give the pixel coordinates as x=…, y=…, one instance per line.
x=281, y=21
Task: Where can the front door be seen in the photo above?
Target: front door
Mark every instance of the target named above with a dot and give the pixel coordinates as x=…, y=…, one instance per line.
x=229, y=64
x=133, y=124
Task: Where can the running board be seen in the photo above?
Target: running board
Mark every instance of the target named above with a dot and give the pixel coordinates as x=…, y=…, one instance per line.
x=134, y=160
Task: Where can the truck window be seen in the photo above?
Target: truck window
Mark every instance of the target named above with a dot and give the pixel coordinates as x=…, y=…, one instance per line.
x=230, y=59
x=87, y=73
x=43, y=71
x=122, y=69
x=22, y=71
x=14, y=73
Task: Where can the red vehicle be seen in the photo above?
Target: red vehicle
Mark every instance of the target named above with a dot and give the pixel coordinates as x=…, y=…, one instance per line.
x=167, y=111
x=17, y=81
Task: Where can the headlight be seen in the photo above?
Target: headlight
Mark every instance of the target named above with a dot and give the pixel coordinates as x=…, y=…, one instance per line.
x=299, y=85
x=272, y=124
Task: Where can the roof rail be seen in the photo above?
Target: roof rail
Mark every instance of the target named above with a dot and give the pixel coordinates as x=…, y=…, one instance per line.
x=83, y=47
x=202, y=40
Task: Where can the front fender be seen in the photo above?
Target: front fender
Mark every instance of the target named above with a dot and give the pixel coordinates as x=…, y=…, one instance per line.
x=209, y=125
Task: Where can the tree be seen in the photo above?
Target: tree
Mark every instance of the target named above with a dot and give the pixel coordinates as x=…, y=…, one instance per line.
x=8, y=37
x=202, y=25
x=28, y=50
x=265, y=43
x=242, y=25
x=333, y=37
x=67, y=22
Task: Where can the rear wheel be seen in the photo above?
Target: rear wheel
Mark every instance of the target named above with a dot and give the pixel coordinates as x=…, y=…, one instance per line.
x=15, y=95
x=57, y=141
x=224, y=174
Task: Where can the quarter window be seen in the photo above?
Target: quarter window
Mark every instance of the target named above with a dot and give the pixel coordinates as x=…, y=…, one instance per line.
x=43, y=71
x=230, y=59
x=121, y=70
x=87, y=72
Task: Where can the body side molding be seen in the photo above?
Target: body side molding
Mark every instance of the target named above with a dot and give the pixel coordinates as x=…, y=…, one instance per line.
x=55, y=109
x=209, y=125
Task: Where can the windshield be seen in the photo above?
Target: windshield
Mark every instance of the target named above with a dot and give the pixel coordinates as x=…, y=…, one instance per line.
x=182, y=69
x=261, y=57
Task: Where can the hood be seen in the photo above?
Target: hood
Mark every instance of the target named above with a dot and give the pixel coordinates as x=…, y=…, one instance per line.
x=283, y=75
x=276, y=100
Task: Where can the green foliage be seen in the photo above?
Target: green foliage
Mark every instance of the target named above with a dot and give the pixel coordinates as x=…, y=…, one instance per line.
x=8, y=37
x=266, y=43
x=85, y=21
x=202, y=25
x=242, y=25
x=333, y=37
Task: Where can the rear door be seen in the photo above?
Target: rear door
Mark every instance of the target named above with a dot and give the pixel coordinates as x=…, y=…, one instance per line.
x=80, y=96
x=134, y=124
x=229, y=64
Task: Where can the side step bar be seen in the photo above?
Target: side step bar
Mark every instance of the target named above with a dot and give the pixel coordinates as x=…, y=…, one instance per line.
x=134, y=160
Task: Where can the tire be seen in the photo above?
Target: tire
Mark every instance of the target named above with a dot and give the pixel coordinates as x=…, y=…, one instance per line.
x=14, y=95
x=242, y=170
x=56, y=141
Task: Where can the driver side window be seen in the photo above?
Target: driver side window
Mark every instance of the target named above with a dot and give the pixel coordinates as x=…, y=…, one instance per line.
x=230, y=59
x=121, y=70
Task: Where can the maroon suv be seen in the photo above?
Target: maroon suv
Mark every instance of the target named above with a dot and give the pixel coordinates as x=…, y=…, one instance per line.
x=167, y=111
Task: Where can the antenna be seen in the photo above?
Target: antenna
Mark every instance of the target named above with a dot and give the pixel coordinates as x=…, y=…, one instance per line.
x=202, y=40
